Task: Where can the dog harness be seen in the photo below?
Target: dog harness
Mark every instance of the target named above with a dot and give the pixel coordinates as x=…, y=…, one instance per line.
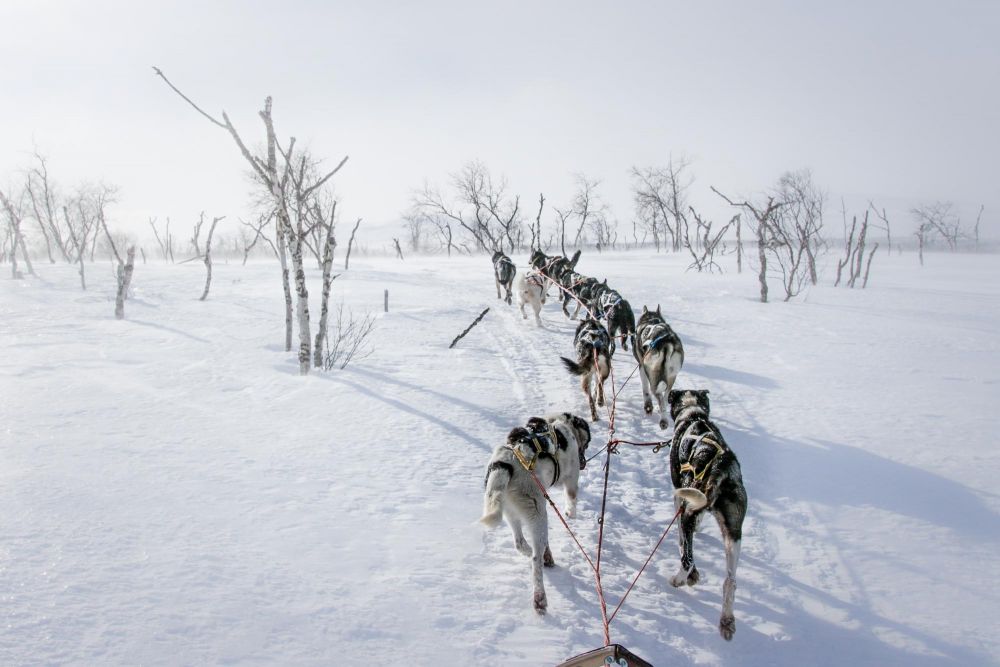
x=540, y=450
x=706, y=437
x=658, y=327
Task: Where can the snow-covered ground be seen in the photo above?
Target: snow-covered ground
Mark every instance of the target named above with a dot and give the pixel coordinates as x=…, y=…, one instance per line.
x=172, y=492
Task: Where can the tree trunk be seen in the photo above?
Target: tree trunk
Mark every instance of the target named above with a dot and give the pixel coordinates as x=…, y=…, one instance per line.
x=350, y=244
x=328, y=247
x=301, y=306
x=762, y=255
x=739, y=245
x=208, y=258
x=285, y=281
x=124, y=280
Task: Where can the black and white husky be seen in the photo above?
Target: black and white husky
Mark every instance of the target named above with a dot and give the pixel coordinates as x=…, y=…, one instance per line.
x=660, y=355
x=554, y=448
x=531, y=291
x=503, y=273
x=593, y=360
x=704, y=469
x=619, y=316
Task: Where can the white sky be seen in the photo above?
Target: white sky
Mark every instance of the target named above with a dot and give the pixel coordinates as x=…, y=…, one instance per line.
x=898, y=101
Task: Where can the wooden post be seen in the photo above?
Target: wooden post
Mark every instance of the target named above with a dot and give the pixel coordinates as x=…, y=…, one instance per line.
x=387, y=301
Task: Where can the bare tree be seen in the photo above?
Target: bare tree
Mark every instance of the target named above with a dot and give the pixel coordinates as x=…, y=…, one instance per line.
x=480, y=205
x=536, y=230
x=399, y=250
x=937, y=217
x=563, y=215
x=208, y=255
x=45, y=206
x=14, y=214
x=590, y=211
x=705, y=244
x=414, y=224
x=763, y=217
x=248, y=242
x=290, y=213
x=350, y=244
x=884, y=226
x=801, y=216
x=660, y=196
x=349, y=341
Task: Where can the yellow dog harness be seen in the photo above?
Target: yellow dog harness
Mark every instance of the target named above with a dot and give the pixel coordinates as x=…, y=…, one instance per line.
x=706, y=437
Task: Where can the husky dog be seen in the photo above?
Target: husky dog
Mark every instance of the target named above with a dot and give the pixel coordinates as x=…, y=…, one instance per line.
x=554, y=448
x=593, y=354
x=531, y=291
x=660, y=355
x=569, y=283
x=619, y=316
x=701, y=460
x=588, y=294
x=553, y=267
x=503, y=273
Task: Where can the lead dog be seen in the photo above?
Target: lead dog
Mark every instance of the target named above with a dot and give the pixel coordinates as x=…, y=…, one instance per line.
x=531, y=291
x=503, y=273
x=593, y=354
x=660, y=355
x=554, y=448
x=700, y=459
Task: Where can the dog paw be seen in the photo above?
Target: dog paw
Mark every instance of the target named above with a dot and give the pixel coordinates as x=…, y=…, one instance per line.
x=547, y=559
x=540, y=603
x=648, y=407
x=693, y=577
x=679, y=579
x=663, y=423
x=727, y=627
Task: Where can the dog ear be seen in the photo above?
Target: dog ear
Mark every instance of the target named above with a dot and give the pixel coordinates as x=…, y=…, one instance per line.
x=674, y=395
x=658, y=310
x=645, y=310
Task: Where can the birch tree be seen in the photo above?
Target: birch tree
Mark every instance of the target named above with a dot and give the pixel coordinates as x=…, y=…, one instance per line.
x=290, y=213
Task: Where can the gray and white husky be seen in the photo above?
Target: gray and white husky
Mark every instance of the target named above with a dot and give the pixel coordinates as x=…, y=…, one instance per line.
x=531, y=291
x=706, y=476
x=554, y=448
x=593, y=360
x=660, y=355
x=503, y=274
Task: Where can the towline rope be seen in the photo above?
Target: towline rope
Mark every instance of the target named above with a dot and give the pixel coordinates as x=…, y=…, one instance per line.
x=610, y=448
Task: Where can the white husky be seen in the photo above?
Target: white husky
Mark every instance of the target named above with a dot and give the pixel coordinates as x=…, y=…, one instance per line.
x=554, y=449
x=660, y=354
x=531, y=291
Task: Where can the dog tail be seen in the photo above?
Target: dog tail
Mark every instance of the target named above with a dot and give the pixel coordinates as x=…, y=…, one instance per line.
x=576, y=258
x=497, y=479
x=655, y=359
x=578, y=368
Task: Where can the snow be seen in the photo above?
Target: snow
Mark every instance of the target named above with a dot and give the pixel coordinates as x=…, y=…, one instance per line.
x=174, y=493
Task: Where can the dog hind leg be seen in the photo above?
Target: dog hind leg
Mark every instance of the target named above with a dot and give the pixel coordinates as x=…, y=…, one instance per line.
x=520, y=543
x=647, y=401
x=539, y=533
x=688, y=573
x=731, y=525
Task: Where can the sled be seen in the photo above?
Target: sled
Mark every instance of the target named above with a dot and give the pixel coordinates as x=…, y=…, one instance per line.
x=613, y=655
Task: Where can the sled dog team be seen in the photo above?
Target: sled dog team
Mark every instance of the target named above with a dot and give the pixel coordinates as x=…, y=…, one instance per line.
x=704, y=471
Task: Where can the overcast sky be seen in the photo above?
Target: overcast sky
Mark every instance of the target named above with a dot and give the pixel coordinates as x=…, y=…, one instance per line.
x=896, y=101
